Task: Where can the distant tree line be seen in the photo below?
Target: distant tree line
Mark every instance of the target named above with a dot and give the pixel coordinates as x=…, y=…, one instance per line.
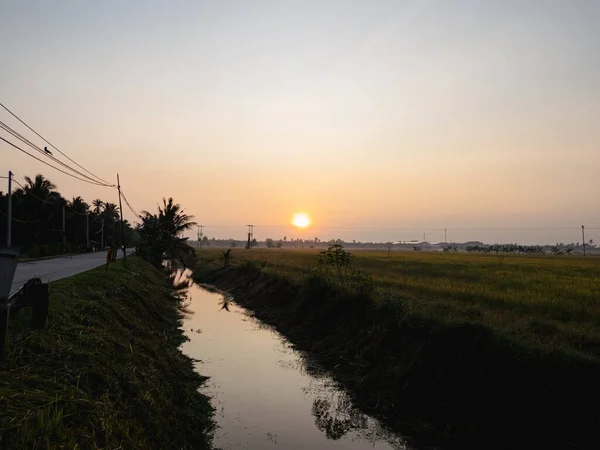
x=37, y=225
x=557, y=249
x=473, y=246
x=507, y=248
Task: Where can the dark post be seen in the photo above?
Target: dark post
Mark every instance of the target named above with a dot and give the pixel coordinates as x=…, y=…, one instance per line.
x=122, y=224
x=64, y=232
x=9, y=211
x=583, y=236
x=250, y=236
x=4, y=314
x=41, y=300
x=87, y=231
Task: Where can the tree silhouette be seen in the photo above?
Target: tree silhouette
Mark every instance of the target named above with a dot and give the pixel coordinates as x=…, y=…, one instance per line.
x=97, y=204
x=111, y=211
x=37, y=228
x=160, y=233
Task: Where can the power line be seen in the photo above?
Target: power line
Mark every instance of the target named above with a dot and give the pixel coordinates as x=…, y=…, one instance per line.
x=50, y=165
x=39, y=150
x=78, y=213
x=19, y=220
x=129, y=204
x=28, y=191
x=54, y=147
x=43, y=152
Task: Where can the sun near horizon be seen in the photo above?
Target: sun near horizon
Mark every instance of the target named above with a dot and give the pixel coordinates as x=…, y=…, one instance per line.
x=301, y=220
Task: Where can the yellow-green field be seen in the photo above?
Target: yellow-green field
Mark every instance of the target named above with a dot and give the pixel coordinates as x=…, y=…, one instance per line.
x=547, y=303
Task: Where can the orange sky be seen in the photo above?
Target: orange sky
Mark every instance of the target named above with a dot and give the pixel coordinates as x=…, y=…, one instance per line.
x=392, y=114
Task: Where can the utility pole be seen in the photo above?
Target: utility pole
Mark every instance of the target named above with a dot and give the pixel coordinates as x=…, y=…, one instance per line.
x=122, y=224
x=445, y=236
x=102, y=236
x=583, y=236
x=64, y=230
x=200, y=235
x=9, y=211
x=87, y=230
x=250, y=236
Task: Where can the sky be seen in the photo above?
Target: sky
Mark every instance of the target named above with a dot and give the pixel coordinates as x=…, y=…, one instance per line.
x=382, y=120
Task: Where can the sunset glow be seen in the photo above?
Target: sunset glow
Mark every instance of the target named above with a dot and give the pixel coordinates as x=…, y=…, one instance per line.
x=381, y=120
x=301, y=220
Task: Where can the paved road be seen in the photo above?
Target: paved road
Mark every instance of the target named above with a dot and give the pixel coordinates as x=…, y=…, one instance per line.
x=56, y=268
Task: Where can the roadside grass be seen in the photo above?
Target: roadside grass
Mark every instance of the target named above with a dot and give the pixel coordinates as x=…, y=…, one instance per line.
x=106, y=372
x=543, y=303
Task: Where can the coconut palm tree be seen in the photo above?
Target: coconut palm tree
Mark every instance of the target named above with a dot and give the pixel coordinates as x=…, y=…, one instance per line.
x=111, y=211
x=39, y=205
x=40, y=187
x=160, y=233
x=78, y=205
x=174, y=218
x=97, y=204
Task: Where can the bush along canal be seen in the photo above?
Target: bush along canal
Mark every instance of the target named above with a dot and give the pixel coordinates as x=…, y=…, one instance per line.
x=267, y=394
x=441, y=383
x=107, y=371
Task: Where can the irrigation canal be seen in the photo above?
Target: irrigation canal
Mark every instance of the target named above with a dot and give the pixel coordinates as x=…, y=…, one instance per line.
x=266, y=394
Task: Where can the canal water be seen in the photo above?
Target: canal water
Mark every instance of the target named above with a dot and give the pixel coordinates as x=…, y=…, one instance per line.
x=265, y=393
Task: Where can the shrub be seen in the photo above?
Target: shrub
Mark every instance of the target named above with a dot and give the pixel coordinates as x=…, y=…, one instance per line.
x=227, y=256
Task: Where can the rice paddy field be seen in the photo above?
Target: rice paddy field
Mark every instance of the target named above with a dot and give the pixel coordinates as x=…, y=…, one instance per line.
x=544, y=303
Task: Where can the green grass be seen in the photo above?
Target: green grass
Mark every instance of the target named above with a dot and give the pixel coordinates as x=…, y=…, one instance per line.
x=545, y=302
x=107, y=371
x=453, y=350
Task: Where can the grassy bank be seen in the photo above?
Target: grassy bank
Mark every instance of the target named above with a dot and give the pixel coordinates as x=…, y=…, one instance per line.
x=106, y=372
x=462, y=350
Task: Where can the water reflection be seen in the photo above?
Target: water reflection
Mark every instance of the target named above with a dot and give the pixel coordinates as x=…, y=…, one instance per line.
x=265, y=393
x=336, y=421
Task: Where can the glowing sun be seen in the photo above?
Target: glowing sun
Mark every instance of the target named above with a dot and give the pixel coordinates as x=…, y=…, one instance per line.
x=301, y=220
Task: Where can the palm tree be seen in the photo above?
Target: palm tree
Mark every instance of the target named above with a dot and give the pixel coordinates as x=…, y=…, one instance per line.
x=97, y=204
x=79, y=205
x=40, y=205
x=174, y=218
x=160, y=233
x=40, y=187
x=111, y=211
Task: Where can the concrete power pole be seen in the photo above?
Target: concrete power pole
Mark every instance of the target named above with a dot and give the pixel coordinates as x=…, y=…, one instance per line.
x=583, y=238
x=200, y=235
x=250, y=236
x=87, y=231
x=9, y=211
x=122, y=224
x=64, y=230
x=102, y=236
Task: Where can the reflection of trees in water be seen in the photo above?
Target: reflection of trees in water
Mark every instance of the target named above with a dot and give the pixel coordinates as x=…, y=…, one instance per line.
x=179, y=282
x=336, y=421
x=336, y=416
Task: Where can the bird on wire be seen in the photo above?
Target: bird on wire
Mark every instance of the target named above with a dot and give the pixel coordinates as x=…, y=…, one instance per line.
x=47, y=151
